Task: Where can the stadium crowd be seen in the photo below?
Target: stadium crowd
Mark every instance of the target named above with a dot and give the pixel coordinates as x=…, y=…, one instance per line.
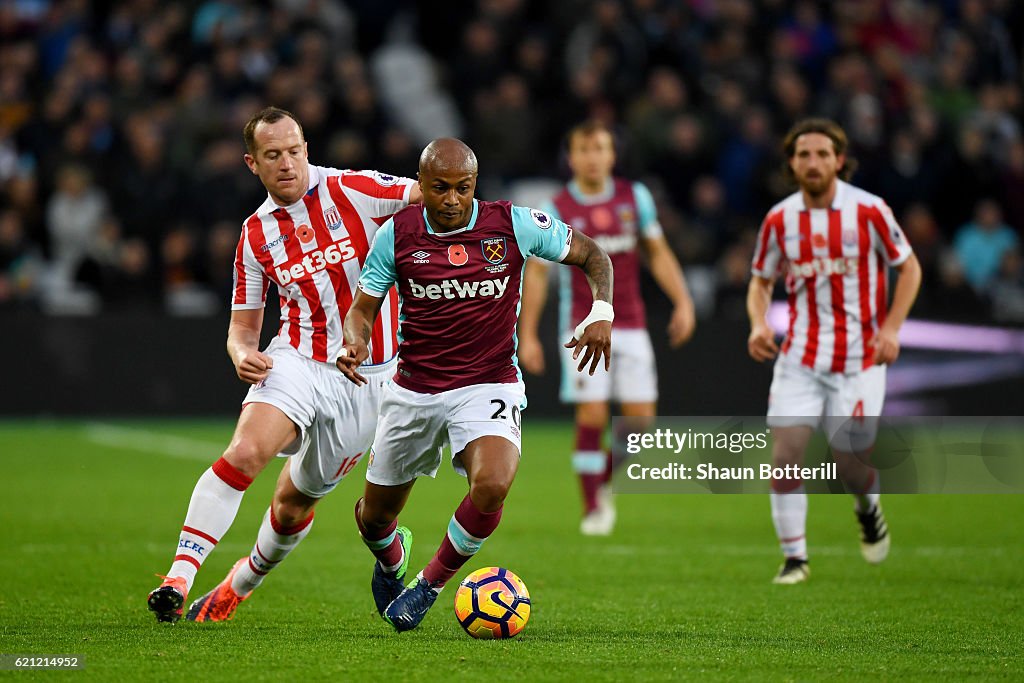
x=122, y=183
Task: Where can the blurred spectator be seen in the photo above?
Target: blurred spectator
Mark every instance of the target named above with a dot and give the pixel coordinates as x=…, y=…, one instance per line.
x=181, y=261
x=790, y=96
x=132, y=282
x=904, y=175
x=994, y=59
x=608, y=41
x=971, y=176
x=651, y=117
x=1012, y=185
x=707, y=227
x=20, y=262
x=506, y=129
x=74, y=216
x=745, y=164
x=993, y=122
x=220, y=259
x=685, y=158
x=145, y=190
x=981, y=245
x=950, y=96
x=1008, y=289
x=809, y=38
x=733, y=276
x=480, y=63
x=923, y=233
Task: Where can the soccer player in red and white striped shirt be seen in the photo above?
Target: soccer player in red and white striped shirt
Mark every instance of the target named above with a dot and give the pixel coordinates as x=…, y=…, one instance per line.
x=835, y=244
x=310, y=238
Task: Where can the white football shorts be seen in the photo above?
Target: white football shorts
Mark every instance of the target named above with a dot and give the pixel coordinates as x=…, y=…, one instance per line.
x=847, y=406
x=336, y=418
x=414, y=427
x=632, y=379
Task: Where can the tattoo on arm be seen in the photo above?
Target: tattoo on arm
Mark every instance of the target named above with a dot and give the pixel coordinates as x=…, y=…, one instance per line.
x=585, y=254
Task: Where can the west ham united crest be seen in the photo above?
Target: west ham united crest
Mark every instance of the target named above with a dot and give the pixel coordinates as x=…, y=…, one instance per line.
x=494, y=249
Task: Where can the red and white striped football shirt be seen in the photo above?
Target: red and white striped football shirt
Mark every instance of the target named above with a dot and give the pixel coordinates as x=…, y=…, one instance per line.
x=313, y=251
x=836, y=264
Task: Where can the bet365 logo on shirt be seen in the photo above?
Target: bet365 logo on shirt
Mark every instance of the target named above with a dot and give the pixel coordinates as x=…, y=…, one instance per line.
x=315, y=261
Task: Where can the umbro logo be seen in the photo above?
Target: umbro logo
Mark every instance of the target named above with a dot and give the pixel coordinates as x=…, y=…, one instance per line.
x=421, y=256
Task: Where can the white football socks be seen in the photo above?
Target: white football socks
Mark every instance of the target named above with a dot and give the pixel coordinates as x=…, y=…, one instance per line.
x=211, y=511
x=789, y=513
x=273, y=543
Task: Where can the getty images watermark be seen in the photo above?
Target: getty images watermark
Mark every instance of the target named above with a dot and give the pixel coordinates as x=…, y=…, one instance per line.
x=734, y=454
x=668, y=440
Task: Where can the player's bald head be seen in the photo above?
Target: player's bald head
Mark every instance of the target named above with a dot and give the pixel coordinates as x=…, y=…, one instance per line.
x=447, y=157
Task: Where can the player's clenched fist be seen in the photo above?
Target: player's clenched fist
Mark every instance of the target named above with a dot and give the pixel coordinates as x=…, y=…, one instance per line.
x=885, y=348
x=761, y=343
x=531, y=354
x=595, y=342
x=252, y=366
x=350, y=358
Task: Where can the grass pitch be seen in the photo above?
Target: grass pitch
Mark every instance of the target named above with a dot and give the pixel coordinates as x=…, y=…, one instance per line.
x=680, y=591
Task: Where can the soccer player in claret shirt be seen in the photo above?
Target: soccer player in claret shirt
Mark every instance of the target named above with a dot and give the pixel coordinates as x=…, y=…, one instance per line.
x=458, y=264
x=310, y=238
x=620, y=216
x=835, y=244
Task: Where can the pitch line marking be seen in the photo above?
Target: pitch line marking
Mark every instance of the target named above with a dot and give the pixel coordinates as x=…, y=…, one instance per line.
x=130, y=438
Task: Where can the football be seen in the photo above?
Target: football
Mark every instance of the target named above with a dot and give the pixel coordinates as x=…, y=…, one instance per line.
x=492, y=603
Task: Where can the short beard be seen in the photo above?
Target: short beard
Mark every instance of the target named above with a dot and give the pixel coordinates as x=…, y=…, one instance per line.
x=816, y=187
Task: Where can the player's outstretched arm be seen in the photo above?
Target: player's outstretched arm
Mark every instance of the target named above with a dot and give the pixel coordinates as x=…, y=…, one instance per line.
x=761, y=342
x=251, y=365
x=535, y=294
x=593, y=336
x=668, y=274
x=416, y=194
x=356, y=332
x=886, y=346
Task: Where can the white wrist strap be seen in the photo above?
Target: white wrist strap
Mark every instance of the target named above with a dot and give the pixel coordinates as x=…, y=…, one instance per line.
x=601, y=310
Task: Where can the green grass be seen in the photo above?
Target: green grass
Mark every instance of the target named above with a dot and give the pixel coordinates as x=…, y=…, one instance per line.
x=681, y=590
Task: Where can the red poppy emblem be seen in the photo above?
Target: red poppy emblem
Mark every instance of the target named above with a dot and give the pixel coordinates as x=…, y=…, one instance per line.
x=457, y=255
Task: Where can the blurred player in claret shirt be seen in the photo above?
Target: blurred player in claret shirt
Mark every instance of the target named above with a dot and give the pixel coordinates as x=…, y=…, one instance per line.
x=620, y=216
x=310, y=238
x=458, y=264
x=835, y=244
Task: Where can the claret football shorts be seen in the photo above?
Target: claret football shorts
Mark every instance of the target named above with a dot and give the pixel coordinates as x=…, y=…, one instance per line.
x=336, y=418
x=414, y=427
x=632, y=379
x=847, y=406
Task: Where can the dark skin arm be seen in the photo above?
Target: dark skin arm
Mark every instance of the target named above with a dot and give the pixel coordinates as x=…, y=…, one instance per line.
x=356, y=332
x=597, y=338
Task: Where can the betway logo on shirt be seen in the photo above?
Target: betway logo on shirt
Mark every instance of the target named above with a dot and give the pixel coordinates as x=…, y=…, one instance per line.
x=315, y=261
x=823, y=266
x=457, y=289
x=616, y=244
